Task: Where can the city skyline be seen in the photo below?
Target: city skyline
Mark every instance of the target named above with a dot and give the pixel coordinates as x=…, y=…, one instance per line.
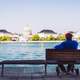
x=56, y=15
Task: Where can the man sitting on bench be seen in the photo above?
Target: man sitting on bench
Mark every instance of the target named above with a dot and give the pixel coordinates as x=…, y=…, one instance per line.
x=67, y=44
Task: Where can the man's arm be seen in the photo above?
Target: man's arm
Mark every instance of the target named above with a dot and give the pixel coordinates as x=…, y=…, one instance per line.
x=60, y=46
x=75, y=45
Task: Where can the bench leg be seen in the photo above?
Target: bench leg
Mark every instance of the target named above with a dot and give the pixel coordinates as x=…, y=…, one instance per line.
x=45, y=69
x=77, y=71
x=58, y=71
x=2, y=71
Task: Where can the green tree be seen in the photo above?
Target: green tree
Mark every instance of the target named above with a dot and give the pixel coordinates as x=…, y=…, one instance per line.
x=49, y=38
x=61, y=37
x=35, y=37
x=42, y=39
x=5, y=38
x=78, y=37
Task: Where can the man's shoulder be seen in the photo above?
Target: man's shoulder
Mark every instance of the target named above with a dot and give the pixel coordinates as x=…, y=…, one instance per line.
x=70, y=41
x=74, y=41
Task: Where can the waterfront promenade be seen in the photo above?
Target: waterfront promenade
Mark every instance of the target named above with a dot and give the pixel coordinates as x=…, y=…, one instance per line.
x=34, y=73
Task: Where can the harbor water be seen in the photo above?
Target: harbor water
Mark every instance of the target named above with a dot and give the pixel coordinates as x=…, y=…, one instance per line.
x=25, y=51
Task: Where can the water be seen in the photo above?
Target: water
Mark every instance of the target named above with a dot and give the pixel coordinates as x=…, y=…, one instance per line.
x=24, y=51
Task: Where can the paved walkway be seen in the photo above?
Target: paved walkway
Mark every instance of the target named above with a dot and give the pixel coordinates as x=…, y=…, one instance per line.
x=34, y=73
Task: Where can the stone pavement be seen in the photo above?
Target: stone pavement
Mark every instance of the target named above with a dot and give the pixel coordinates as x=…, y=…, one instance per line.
x=34, y=73
x=8, y=77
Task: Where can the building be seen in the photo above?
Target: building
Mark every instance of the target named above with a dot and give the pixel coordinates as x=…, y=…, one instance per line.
x=13, y=36
x=45, y=32
x=27, y=33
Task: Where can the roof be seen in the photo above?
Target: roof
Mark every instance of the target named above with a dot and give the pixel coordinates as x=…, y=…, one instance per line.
x=5, y=31
x=47, y=31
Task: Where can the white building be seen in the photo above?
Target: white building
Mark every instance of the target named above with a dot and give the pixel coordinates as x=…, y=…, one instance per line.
x=27, y=33
x=44, y=33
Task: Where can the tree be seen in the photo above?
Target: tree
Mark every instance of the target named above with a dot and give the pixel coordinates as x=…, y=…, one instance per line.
x=5, y=38
x=61, y=37
x=49, y=38
x=35, y=37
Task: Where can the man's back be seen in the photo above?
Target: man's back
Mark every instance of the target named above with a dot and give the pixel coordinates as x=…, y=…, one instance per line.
x=70, y=44
x=67, y=44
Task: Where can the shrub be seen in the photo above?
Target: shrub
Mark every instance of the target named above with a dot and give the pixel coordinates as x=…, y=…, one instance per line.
x=35, y=37
x=5, y=38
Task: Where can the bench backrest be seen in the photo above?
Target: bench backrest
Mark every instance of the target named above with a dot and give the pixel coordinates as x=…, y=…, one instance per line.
x=64, y=55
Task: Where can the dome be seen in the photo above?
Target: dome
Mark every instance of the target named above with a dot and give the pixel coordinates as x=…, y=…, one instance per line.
x=27, y=29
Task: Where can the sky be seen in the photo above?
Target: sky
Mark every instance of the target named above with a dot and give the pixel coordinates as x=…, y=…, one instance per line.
x=57, y=15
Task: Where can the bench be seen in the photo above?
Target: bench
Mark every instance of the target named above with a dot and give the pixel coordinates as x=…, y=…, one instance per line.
x=53, y=56
x=65, y=56
x=32, y=62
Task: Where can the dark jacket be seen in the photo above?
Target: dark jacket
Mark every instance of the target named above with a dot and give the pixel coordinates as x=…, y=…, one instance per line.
x=67, y=44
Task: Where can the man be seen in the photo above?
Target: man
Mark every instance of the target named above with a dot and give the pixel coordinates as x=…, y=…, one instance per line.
x=67, y=44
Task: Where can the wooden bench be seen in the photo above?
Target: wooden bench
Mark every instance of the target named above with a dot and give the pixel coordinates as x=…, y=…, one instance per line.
x=53, y=56
x=63, y=56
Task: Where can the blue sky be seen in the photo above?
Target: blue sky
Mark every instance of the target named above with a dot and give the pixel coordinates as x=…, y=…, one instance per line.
x=58, y=15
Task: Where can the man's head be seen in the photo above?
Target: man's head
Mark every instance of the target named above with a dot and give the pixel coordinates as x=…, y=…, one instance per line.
x=68, y=36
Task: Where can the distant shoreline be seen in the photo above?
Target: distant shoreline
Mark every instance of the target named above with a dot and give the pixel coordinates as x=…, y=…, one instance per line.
x=29, y=41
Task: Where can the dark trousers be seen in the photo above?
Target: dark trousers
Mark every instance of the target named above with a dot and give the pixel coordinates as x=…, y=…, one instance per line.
x=69, y=67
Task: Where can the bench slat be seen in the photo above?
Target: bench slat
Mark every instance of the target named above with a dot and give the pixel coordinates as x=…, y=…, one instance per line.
x=23, y=62
x=62, y=55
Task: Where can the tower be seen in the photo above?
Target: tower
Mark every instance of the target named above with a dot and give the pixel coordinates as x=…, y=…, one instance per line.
x=27, y=32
